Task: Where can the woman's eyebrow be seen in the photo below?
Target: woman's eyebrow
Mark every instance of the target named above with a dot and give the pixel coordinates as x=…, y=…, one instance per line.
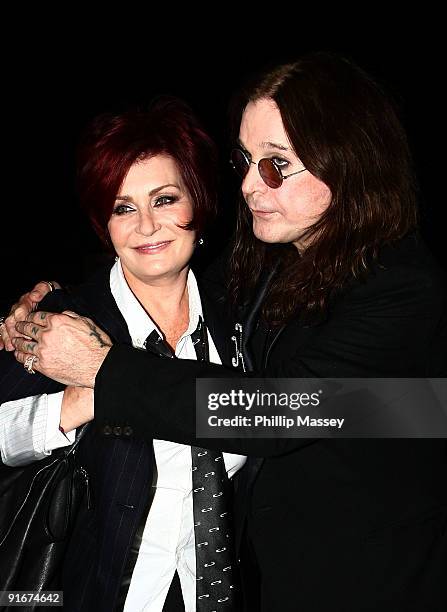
x=152, y=192
x=157, y=189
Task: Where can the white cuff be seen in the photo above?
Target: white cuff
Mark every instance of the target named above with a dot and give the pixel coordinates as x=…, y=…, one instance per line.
x=22, y=430
x=54, y=438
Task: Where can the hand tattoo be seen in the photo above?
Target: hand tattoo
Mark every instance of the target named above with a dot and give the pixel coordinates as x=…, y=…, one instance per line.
x=94, y=332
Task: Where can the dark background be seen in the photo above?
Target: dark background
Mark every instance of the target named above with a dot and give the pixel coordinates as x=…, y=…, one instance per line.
x=52, y=92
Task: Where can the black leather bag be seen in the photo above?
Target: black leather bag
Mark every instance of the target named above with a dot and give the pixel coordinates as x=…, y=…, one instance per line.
x=39, y=504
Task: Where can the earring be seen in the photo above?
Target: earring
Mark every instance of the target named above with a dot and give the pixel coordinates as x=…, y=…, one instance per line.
x=200, y=241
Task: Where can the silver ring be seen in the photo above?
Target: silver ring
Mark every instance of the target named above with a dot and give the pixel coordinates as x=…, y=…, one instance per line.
x=29, y=362
x=49, y=283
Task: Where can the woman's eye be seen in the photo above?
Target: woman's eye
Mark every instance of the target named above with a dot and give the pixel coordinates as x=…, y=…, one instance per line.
x=165, y=200
x=122, y=209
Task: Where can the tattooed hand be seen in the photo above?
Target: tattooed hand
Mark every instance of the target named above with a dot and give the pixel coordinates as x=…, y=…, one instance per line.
x=69, y=348
x=26, y=304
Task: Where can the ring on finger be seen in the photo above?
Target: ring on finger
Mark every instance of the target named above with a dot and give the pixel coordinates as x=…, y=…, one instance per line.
x=28, y=364
x=50, y=284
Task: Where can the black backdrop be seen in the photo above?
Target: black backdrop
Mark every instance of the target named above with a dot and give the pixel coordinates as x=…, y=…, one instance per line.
x=51, y=94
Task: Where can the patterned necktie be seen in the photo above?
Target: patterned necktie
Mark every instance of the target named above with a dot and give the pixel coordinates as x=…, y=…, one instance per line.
x=212, y=497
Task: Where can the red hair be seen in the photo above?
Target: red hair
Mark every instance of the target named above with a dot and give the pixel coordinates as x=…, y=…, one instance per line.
x=114, y=142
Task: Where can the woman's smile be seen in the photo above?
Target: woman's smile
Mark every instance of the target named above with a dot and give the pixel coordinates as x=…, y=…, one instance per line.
x=152, y=248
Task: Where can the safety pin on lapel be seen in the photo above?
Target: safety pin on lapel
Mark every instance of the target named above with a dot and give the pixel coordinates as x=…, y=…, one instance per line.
x=238, y=347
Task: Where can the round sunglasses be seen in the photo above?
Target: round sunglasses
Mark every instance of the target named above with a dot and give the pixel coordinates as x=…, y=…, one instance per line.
x=269, y=171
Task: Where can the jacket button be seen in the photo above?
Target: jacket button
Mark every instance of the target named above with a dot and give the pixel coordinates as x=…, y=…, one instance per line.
x=128, y=431
x=107, y=430
x=117, y=430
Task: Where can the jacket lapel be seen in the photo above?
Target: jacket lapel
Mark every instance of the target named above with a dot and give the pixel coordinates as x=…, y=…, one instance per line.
x=252, y=314
x=217, y=320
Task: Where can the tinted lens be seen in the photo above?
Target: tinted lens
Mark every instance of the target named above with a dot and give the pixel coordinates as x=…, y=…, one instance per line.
x=240, y=163
x=270, y=173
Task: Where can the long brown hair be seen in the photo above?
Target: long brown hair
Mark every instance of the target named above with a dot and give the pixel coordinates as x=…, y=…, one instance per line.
x=346, y=132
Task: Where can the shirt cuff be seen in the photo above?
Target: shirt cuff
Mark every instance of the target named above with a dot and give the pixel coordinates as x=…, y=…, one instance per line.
x=54, y=438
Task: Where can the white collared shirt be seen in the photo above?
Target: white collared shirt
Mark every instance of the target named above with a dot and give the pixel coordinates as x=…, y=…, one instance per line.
x=29, y=431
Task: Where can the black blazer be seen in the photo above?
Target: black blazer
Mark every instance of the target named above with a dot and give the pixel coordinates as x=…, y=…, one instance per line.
x=340, y=525
x=120, y=463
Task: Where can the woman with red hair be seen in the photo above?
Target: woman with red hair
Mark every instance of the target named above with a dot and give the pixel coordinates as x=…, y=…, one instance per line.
x=158, y=537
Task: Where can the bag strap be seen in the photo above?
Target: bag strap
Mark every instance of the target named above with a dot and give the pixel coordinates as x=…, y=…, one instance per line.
x=80, y=433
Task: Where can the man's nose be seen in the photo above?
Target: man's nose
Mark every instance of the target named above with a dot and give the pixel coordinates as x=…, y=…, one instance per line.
x=252, y=181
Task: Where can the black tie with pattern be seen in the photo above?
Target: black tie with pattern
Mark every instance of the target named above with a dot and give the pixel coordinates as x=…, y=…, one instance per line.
x=213, y=533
